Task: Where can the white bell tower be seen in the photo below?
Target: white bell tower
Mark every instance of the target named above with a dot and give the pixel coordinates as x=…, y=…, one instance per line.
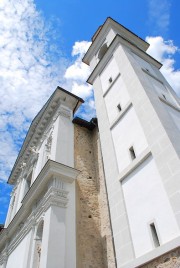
x=139, y=122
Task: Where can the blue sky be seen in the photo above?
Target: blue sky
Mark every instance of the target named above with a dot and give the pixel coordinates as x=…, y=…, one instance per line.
x=41, y=46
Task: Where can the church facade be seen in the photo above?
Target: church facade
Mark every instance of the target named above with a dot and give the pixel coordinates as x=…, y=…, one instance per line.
x=104, y=193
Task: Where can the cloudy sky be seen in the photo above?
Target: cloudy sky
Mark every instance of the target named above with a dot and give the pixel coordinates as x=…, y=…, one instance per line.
x=41, y=46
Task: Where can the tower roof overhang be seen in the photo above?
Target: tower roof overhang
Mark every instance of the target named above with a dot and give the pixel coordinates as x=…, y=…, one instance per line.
x=116, y=41
x=122, y=31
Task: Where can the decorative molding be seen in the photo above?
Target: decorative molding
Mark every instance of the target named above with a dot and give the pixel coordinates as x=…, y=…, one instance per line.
x=55, y=176
x=53, y=197
x=65, y=112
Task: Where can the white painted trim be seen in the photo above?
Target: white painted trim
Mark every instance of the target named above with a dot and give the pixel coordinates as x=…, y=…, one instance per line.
x=24, y=218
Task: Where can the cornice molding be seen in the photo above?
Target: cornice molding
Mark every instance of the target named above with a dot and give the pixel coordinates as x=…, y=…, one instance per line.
x=49, y=189
x=119, y=40
x=118, y=29
x=62, y=103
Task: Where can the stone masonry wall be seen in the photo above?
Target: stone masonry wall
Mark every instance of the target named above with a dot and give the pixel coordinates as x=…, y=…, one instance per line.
x=94, y=240
x=168, y=260
x=106, y=233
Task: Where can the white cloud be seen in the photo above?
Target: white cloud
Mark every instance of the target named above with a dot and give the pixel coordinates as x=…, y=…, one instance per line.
x=76, y=75
x=30, y=72
x=159, y=14
x=78, y=70
x=80, y=48
x=165, y=51
x=27, y=74
x=82, y=90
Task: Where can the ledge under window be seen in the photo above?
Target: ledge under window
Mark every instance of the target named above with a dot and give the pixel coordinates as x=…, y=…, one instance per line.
x=121, y=114
x=153, y=76
x=134, y=164
x=170, y=104
x=110, y=86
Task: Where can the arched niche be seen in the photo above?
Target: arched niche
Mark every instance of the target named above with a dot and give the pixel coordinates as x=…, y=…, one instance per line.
x=102, y=51
x=38, y=244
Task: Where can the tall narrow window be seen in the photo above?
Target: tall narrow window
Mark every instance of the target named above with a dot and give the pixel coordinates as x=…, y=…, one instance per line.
x=164, y=96
x=28, y=183
x=119, y=107
x=132, y=153
x=154, y=235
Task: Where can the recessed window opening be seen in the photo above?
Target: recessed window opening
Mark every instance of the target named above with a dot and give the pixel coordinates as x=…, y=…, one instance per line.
x=102, y=51
x=164, y=96
x=29, y=178
x=154, y=235
x=119, y=107
x=132, y=153
x=28, y=183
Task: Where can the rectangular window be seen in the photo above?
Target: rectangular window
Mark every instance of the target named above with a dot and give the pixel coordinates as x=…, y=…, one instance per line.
x=164, y=96
x=132, y=153
x=154, y=235
x=119, y=107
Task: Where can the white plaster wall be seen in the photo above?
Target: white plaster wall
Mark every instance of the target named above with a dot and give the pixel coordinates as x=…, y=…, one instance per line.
x=161, y=89
x=146, y=202
x=93, y=63
x=71, y=228
x=53, y=240
x=121, y=97
x=111, y=70
x=128, y=132
x=175, y=115
x=110, y=36
x=17, y=257
x=144, y=64
x=65, y=143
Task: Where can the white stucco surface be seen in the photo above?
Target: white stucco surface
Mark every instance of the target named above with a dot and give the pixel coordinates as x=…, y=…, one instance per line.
x=119, y=90
x=110, y=71
x=53, y=241
x=144, y=64
x=65, y=142
x=17, y=257
x=110, y=36
x=128, y=132
x=175, y=115
x=146, y=202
